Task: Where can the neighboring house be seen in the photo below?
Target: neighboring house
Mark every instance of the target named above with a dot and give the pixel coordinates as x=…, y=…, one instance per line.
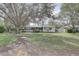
x=38, y=27
x=44, y=29
x=61, y=29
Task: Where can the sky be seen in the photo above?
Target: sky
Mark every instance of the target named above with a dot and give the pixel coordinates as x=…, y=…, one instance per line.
x=57, y=8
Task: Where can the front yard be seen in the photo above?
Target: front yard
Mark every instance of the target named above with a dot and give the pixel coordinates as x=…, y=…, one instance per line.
x=41, y=44
x=54, y=40
x=48, y=40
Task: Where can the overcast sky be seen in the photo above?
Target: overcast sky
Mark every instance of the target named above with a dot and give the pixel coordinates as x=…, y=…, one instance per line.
x=57, y=8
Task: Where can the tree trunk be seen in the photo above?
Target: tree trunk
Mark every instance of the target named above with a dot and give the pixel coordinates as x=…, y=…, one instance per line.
x=73, y=26
x=17, y=31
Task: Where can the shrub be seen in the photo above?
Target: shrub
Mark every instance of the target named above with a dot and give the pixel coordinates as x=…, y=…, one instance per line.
x=71, y=30
x=2, y=29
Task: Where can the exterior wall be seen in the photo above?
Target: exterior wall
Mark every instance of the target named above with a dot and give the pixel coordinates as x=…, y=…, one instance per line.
x=61, y=30
x=45, y=29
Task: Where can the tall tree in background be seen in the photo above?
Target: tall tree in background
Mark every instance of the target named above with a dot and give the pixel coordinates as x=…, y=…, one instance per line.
x=70, y=11
x=44, y=10
x=47, y=11
x=40, y=11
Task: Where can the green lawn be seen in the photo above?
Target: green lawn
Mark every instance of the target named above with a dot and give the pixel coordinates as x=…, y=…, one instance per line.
x=6, y=38
x=55, y=40
x=48, y=40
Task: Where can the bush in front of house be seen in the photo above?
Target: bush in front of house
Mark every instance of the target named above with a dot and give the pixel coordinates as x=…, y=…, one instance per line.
x=36, y=31
x=71, y=30
x=2, y=29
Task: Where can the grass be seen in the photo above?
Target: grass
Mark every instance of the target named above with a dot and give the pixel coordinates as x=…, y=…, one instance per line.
x=6, y=38
x=52, y=41
x=55, y=40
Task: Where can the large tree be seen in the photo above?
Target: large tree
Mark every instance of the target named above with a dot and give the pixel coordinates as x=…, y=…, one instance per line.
x=15, y=14
x=70, y=11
